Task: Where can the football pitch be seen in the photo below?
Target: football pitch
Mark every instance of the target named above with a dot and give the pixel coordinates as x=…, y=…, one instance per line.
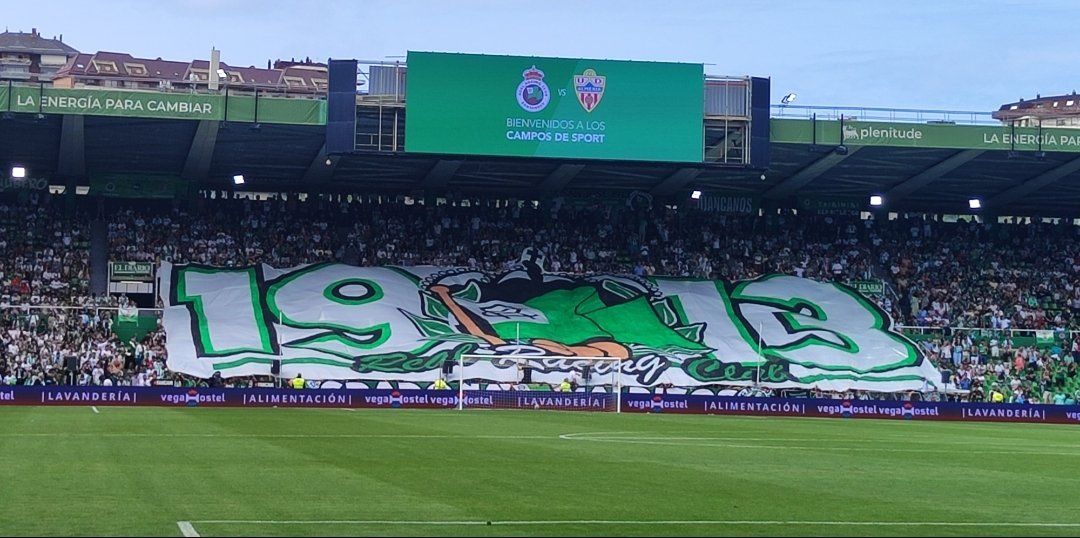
x=257, y=472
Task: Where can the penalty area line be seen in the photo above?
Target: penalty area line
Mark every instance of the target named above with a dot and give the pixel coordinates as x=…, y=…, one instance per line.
x=718, y=522
x=187, y=529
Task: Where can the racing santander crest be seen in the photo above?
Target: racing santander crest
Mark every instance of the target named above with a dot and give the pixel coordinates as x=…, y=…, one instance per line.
x=533, y=94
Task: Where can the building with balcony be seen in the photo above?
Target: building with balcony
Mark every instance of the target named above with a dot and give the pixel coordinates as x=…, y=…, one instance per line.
x=1053, y=111
x=121, y=70
x=32, y=57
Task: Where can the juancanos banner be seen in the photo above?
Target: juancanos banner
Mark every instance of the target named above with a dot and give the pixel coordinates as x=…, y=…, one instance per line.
x=335, y=321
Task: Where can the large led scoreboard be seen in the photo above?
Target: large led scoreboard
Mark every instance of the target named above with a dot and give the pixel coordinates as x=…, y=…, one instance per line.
x=475, y=105
x=553, y=107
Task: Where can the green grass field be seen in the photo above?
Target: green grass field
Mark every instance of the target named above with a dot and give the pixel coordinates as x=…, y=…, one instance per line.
x=67, y=471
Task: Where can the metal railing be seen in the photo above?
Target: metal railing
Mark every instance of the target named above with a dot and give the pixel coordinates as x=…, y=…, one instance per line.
x=384, y=82
x=88, y=308
x=190, y=87
x=727, y=96
x=381, y=82
x=898, y=115
x=920, y=329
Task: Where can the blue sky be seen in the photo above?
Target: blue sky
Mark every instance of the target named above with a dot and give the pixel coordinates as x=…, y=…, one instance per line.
x=945, y=54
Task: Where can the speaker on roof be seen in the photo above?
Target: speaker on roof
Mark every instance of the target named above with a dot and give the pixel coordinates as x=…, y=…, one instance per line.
x=760, y=151
x=341, y=107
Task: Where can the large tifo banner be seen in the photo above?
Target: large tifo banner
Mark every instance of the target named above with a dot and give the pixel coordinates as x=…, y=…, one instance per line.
x=335, y=321
x=553, y=107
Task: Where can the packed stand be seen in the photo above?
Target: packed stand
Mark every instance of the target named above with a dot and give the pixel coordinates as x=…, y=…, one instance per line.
x=44, y=254
x=938, y=274
x=960, y=274
x=988, y=367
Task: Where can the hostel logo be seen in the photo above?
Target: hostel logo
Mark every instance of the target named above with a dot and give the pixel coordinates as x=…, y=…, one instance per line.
x=908, y=411
x=657, y=404
x=590, y=89
x=533, y=94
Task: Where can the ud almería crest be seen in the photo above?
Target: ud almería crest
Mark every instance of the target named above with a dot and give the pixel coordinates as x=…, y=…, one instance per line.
x=533, y=94
x=590, y=89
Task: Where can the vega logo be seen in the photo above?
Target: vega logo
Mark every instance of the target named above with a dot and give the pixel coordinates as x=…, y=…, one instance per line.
x=533, y=94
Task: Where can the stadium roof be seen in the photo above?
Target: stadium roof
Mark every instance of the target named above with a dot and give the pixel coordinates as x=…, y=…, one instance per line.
x=1011, y=179
x=931, y=179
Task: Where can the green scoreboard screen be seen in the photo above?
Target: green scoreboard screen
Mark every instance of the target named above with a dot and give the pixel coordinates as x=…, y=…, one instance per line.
x=523, y=106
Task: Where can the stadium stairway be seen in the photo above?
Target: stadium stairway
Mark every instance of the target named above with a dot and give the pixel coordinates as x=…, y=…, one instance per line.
x=99, y=258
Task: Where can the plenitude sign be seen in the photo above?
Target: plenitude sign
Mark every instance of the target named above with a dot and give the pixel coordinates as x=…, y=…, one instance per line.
x=925, y=135
x=554, y=107
x=335, y=321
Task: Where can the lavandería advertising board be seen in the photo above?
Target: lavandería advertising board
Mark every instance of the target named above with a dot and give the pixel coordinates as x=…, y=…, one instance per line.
x=632, y=402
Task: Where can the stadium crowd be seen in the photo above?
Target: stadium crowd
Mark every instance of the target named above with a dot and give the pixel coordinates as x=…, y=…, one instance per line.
x=939, y=275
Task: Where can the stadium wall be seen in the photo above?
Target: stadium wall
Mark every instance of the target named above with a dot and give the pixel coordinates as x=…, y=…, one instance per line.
x=448, y=399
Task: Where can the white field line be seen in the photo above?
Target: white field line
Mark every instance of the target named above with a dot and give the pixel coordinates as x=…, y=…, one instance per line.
x=662, y=441
x=734, y=442
x=281, y=435
x=186, y=529
x=908, y=440
x=715, y=522
x=94, y=409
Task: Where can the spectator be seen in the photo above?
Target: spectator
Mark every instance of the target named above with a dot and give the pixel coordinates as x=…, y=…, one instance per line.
x=939, y=275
